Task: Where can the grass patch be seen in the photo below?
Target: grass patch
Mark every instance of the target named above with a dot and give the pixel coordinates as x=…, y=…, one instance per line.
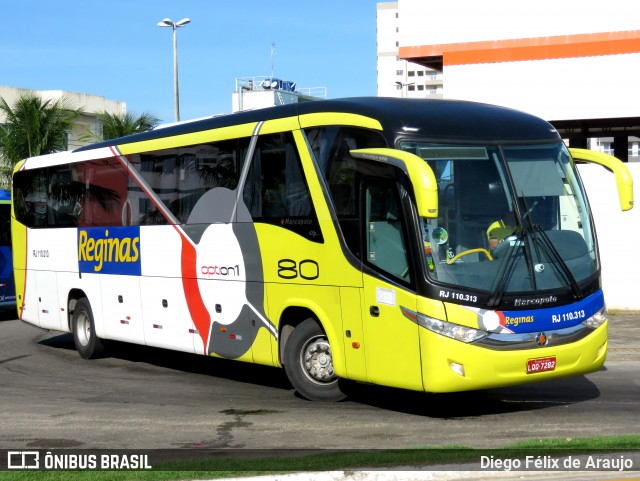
x=216, y=466
x=629, y=442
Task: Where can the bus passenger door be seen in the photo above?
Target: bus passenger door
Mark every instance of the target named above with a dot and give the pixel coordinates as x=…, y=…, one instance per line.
x=392, y=342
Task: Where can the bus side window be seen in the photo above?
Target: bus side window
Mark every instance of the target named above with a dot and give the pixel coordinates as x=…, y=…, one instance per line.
x=181, y=179
x=265, y=192
x=331, y=146
x=385, y=240
x=21, y=186
x=47, y=197
x=159, y=173
x=30, y=197
x=342, y=179
x=65, y=196
x=276, y=191
x=105, y=192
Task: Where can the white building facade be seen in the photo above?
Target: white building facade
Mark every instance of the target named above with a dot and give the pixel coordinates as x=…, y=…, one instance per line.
x=558, y=60
x=398, y=77
x=91, y=105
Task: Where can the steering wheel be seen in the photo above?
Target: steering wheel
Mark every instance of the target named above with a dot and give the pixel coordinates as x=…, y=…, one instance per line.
x=470, y=251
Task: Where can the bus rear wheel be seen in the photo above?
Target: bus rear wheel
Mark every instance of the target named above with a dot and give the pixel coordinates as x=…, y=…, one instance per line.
x=309, y=364
x=87, y=342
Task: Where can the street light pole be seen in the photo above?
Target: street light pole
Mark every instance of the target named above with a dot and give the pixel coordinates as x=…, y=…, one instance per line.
x=175, y=25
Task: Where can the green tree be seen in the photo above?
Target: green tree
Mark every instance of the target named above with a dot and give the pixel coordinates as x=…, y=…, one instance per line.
x=33, y=126
x=114, y=125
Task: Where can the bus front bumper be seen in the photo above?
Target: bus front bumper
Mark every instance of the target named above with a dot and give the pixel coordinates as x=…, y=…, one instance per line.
x=449, y=365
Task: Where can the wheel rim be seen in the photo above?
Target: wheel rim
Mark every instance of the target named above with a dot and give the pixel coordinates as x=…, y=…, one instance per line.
x=317, y=362
x=83, y=328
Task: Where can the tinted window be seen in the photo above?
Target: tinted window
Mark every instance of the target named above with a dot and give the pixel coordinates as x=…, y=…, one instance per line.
x=331, y=146
x=85, y=194
x=30, y=197
x=385, y=240
x=104, y=192
x=276, y=190
x=180, y=177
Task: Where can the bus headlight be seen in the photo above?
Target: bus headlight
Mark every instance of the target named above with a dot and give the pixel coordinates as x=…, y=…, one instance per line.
x=454, y=331
x=597, y=319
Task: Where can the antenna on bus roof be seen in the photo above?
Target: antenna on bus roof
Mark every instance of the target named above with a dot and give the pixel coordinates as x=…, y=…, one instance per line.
x=273, y=57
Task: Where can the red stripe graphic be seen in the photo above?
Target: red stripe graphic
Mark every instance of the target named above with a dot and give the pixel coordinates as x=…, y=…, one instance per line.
x=199, y=313
x=197, y=309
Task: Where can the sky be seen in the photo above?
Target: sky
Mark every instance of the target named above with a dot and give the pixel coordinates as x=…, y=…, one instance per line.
x=116, y=50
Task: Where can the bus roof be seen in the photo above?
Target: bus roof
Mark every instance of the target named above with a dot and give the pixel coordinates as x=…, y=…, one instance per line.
x=436, y=120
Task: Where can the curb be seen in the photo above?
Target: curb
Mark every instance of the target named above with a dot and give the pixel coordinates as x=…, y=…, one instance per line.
x=449, y=472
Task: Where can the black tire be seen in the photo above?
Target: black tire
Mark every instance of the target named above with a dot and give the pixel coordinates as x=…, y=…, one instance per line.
x=309, y=364
x=87, y=343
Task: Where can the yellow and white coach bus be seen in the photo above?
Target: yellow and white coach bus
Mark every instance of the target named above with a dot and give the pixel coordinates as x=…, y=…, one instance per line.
x=429, y=245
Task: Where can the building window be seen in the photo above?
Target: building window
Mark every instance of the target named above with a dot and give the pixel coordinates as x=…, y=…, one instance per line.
x=411, y=73
x=399, y=72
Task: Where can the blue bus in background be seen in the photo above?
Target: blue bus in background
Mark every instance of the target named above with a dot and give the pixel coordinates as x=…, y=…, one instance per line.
x=7, y=285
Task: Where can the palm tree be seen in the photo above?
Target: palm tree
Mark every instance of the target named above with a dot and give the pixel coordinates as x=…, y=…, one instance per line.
x=33, y=126
x=114, y=125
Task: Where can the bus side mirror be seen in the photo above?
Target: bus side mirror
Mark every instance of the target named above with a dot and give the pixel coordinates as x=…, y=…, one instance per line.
x=623, y=176
x=420, y=174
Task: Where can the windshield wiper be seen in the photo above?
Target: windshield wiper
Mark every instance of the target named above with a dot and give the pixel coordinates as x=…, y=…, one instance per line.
x=536, y=229
x=575, y=288
x=507, y=269
x=509, y=266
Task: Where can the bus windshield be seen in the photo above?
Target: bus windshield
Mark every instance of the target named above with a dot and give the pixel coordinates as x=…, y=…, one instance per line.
x=512, y=219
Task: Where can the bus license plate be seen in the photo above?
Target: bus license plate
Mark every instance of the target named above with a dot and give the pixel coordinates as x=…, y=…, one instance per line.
x=541, y=365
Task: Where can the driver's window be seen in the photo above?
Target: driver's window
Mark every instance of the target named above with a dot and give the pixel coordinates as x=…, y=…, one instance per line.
x=386, y=247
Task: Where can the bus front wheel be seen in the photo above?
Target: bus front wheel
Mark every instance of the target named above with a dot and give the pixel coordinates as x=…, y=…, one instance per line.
x=309, y=364
x=87, y=342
